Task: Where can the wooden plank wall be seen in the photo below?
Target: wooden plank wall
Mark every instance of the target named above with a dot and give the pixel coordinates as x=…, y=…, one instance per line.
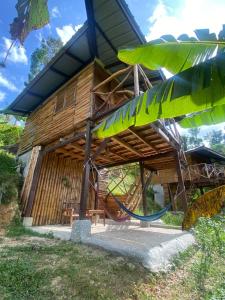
x=29, y=177
x=52, y=192
x=44, y=125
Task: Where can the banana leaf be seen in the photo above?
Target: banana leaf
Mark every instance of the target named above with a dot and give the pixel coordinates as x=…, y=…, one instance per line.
x=31, y=15
x=196, y=89
x=212, y=116
x=175, y=55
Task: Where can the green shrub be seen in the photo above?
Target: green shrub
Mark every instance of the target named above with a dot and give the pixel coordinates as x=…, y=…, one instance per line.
x=173, y=219
x=9, y=178
x=210, y=238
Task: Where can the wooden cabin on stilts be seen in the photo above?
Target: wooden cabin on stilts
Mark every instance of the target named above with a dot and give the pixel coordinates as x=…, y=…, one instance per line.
x=83, y=84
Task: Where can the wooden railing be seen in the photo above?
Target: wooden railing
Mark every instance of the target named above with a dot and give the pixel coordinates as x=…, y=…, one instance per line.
x=204, y=171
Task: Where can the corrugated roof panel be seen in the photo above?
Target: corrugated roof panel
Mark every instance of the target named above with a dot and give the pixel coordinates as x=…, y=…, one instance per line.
x=80, y=48
x=105, y=9
x=67, y=65
x=28, y=103
x=50, y=81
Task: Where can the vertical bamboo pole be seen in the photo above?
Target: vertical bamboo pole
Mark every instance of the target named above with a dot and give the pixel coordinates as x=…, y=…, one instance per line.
x=86, y=173
x=136, y=81
x=144, y=198
x=96, y=190
x=181, y=182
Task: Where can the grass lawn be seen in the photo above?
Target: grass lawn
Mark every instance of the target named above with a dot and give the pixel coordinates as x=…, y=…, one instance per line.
x=34, y=267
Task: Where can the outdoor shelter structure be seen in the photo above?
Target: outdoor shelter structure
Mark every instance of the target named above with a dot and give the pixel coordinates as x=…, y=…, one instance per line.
x=84, y=83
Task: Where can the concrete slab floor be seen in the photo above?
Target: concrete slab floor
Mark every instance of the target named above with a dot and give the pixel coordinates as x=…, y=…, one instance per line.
x=153, y=246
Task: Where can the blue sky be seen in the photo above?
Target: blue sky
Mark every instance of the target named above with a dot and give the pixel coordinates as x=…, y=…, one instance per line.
x=155, y=17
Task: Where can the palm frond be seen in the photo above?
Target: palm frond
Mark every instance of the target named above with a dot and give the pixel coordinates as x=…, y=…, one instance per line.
x=176, y=55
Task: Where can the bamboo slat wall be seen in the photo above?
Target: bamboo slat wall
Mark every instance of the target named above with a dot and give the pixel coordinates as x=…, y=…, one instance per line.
x=52, y=190
x=44, y=125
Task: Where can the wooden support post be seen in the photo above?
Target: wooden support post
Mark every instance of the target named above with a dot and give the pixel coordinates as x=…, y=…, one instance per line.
x=144, y=198
x=181, y=183
x=172, y=200
x=34, y=184
x=96, y=190
x=86, y=173
x=136, y=81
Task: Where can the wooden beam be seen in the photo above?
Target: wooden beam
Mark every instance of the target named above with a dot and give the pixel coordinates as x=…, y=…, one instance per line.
x=34, y=184
x=114, y=64
x=92, y=41
x=86, y=173
x=69, y=153
x=54, y=70
x=126, y=145
x=150, y=158
x=76, y=137
x=110, y=78
x=181, y=183
x=74, y=57
x=142, y=139
x=144, y=198
x=111, y=152
x=35, y=95
x=100, y=148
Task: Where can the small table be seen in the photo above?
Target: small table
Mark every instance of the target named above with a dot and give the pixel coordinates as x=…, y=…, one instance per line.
x=96, y=212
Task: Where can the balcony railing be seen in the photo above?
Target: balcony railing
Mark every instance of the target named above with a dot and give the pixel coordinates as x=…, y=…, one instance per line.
x=204, y=171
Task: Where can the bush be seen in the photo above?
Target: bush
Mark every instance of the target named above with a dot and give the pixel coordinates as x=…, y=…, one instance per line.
x=173, y=219
x=210, y=238
x=9, y=178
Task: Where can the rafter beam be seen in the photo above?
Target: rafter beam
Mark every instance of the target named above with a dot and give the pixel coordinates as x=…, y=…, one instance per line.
x=142, y=139
x=35, y=95
x=126, y=145
x=74, y=57
x=54, y=70
x=92, y=41
x=105, y=37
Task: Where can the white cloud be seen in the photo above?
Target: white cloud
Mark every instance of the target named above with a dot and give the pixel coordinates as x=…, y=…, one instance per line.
x=2, y=96
x=17, y=53
x=190, y=16
x=4, y=82
x=55, y=12
x=66, y=32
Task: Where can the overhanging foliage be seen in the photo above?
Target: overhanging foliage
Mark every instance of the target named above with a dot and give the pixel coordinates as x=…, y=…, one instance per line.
x=175, y=55
x=195, y=89
x=212, y=116
x=31, y=14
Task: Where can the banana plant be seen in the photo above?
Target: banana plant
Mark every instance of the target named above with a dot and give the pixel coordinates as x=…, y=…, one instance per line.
x=31, y=15
x=198, y=83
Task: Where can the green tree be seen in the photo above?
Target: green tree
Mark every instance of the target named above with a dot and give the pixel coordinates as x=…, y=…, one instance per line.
x=9, y=133
x=42, y=55
x=9, y=178
x=216, y=140
x=215, y=137
x=194, y=140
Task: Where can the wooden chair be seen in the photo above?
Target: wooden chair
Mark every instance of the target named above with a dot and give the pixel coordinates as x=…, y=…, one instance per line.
x=70, y=210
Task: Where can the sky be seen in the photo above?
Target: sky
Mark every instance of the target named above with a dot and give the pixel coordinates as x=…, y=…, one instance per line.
x=155, y=18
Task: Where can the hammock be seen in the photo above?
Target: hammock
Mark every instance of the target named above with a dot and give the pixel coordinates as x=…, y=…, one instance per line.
x=147, y=218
